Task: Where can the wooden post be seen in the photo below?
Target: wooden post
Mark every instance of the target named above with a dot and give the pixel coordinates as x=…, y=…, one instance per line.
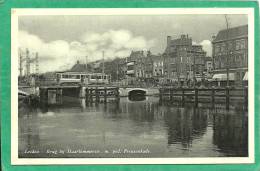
x=59, y=96
x=245, y=98
x=183, y=97
x=171, y=94
x=97, y=95
x=213, y=97
x=86, y=95
x=117, y=93
x=43, y=96
x=117, y=98
x=196, y=97
x=91, y=95
x=227, y=98
x=105, y=94
x=160, y=94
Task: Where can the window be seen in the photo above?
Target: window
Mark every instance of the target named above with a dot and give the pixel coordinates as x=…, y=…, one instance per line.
x=237, y=45
x=223, y=47
x=243, y=44
x=216, y=49
x=65, y=76
x=238, y=60
x=230, y=45
x=238, y=75
x=93, y=77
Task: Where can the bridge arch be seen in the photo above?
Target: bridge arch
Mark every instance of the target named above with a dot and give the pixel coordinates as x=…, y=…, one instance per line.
x=137, y=91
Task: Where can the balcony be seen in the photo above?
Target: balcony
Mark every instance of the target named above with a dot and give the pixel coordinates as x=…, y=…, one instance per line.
x=130, y=72
x=130, y=63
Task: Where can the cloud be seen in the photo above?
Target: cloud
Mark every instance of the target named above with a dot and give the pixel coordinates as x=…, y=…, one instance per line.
x=206, y=46
x=61, y=54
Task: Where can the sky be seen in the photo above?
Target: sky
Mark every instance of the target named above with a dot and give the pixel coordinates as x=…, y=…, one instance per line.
x=62, y=40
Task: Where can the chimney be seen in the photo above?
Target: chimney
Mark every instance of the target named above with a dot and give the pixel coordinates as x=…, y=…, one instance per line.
x=169, y=38
x=213, y=37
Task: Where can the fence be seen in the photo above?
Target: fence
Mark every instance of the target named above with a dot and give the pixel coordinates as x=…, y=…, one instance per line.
x=212, y=95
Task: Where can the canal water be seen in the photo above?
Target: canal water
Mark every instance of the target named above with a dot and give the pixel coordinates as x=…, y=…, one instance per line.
x=131, y=128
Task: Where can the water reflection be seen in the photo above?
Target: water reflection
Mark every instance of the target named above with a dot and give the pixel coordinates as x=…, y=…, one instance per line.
x=231, y=134
x=166, y=130
x=137, y=98
x=185, y=124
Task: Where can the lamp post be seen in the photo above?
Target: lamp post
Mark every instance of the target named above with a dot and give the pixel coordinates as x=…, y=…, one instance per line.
x=194, y=70
x=227, y=49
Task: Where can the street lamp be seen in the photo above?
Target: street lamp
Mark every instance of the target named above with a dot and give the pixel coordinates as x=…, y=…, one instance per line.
x=227, y=49
x=194, y=70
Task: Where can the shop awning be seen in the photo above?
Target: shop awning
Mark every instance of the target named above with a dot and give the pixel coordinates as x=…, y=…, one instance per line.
x=245, y=77
x=223, y=77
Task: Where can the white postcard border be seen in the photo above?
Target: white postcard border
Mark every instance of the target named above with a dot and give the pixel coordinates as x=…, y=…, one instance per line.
x=16, y=12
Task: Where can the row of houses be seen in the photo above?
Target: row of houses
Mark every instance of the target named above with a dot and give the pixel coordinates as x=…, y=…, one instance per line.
x=230, y=50
x=183, y=61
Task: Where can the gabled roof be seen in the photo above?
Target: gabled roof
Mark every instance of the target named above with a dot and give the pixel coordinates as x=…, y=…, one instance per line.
x=231, y=33
x=78, y=68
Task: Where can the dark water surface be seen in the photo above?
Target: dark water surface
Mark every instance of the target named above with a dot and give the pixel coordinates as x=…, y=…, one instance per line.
x=145, y=128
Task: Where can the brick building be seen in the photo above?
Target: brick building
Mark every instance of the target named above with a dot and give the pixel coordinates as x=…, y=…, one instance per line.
x=158, y=64
x=182, y=58
x=148, y=65
x=230, y=49
x=208, y=67
x=135, y=64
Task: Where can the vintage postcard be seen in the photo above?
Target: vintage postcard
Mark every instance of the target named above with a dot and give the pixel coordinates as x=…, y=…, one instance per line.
x=132, y=86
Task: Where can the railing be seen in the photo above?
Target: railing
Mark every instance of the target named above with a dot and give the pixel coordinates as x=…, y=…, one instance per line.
x=96, y=93
x=210, y=94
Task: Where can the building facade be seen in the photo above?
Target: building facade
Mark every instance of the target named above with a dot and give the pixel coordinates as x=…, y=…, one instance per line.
x=183, y=60
x=148, y=65
x=230, y=50
x=158, y=66
x=208, y=70
x=135, y=64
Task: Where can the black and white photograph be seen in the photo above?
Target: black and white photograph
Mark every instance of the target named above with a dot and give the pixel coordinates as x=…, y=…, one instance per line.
x=136, y=86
